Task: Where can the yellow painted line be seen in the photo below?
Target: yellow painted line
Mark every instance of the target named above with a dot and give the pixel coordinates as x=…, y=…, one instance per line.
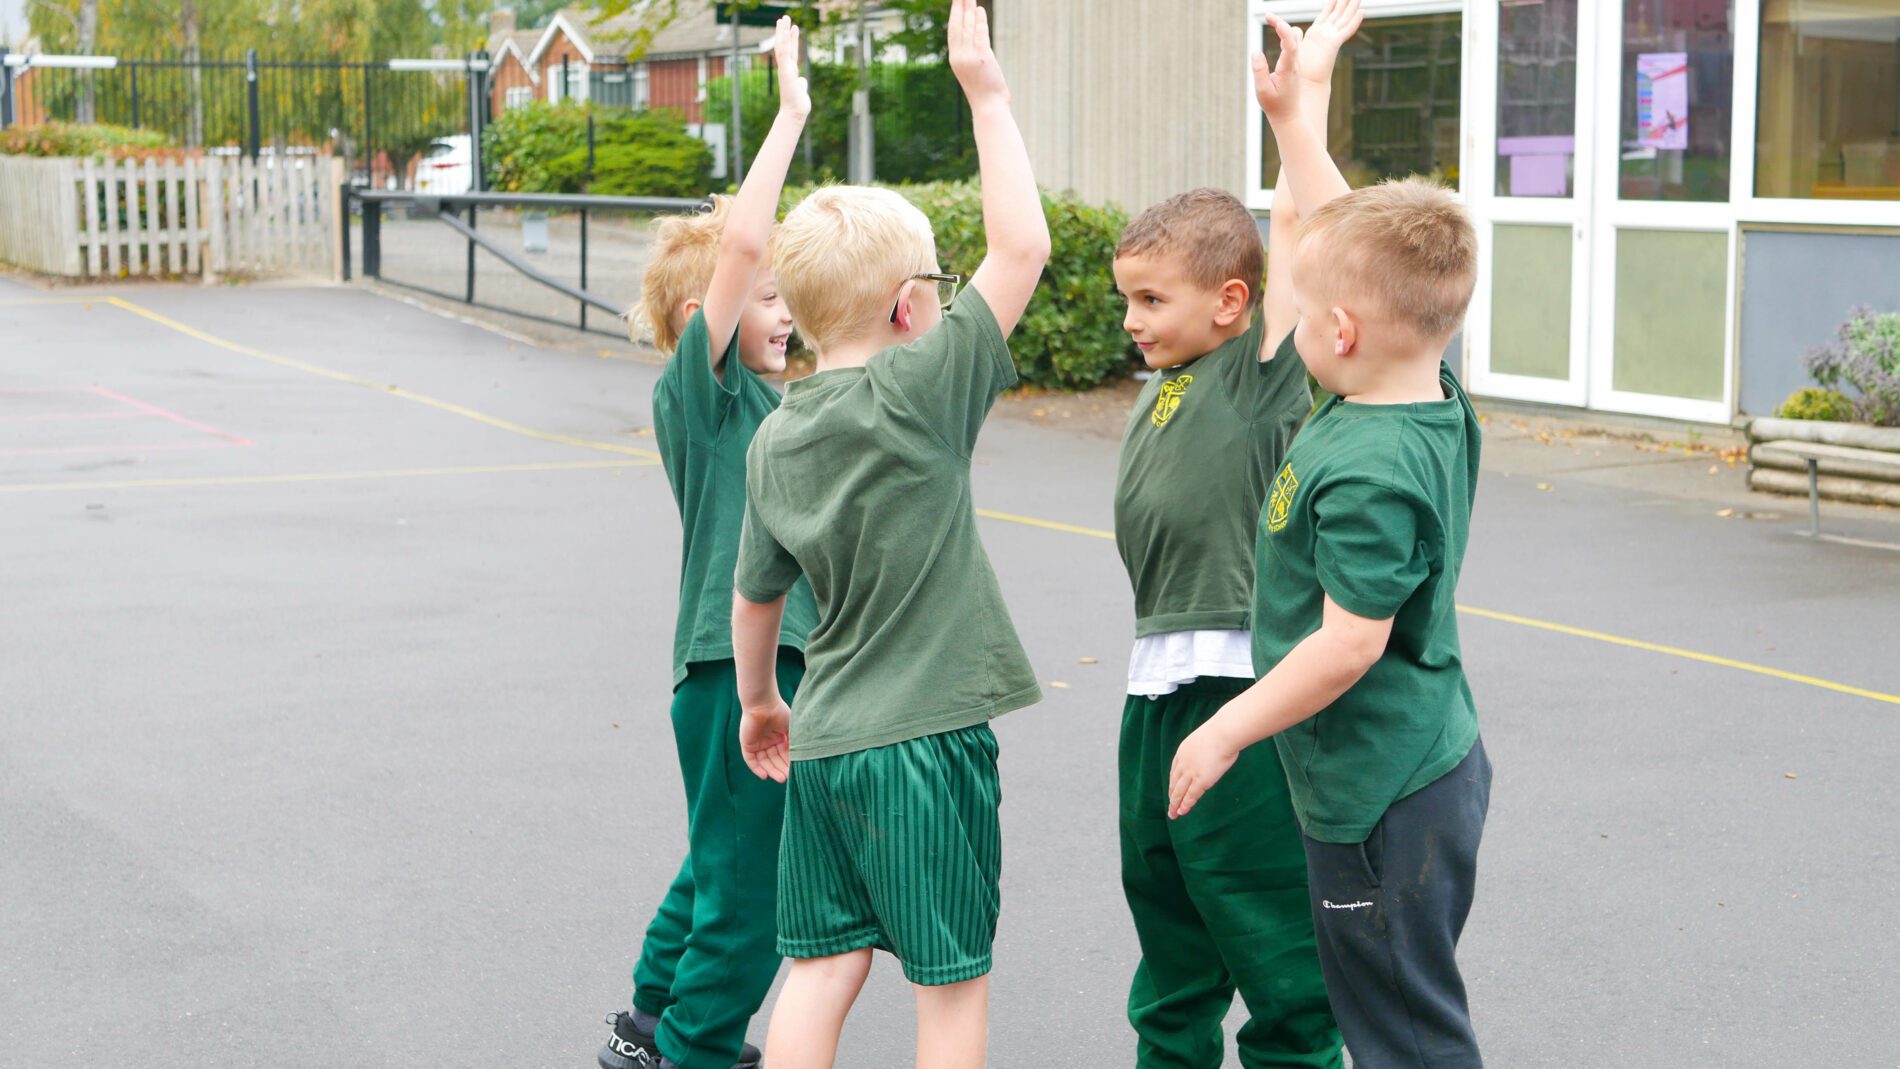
x=1673, y=651
x=1051, y=525
x=1545, y=625
x=381, y=387
x=322, y=476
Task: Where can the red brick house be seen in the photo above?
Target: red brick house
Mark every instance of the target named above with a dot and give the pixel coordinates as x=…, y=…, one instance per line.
x=511, y=82
x=679, y=61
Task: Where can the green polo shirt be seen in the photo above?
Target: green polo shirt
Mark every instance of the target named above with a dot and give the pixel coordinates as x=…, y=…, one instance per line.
x=703, y=423
x=861, y=481
x=1204, y=442
x=1372, y=508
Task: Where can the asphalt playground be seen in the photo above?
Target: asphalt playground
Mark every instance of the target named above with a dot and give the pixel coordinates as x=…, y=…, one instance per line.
x=333, y=716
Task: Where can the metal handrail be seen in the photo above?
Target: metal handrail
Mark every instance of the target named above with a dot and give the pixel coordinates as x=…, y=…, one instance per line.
x=579, y=201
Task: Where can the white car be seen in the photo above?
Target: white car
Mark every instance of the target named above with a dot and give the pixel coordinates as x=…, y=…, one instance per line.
x=445, y=167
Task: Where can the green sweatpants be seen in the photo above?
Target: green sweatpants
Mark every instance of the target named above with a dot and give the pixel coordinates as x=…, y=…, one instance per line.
x=711, y=951
x=1219, y=900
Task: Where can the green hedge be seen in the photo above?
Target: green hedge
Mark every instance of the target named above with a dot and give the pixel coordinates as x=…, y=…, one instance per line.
x=70, y=139
x=921, y=123
x=1071, y=336
x=542, y=148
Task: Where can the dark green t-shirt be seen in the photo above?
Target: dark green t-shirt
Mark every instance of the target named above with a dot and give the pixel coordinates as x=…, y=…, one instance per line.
x=1372, y=508
x=703, y=426
x=1202, y=446
x=861, y=480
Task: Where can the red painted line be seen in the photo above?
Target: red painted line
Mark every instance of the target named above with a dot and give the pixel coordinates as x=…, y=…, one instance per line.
x=168, y=447
x=173, y=416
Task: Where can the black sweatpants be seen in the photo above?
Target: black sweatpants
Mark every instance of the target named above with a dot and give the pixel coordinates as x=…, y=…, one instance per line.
x=1388, y=913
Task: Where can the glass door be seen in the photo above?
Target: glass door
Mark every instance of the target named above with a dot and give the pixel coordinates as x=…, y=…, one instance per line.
x=1664, y=228
x=1532, y=192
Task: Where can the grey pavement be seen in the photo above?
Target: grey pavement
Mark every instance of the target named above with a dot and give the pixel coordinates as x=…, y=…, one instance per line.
x=370, y=764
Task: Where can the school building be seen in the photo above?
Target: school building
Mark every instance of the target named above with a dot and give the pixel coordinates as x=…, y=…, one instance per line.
x=1675, y=198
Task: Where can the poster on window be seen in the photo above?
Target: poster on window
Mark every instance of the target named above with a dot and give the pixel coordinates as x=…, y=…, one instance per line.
x=1662, y=99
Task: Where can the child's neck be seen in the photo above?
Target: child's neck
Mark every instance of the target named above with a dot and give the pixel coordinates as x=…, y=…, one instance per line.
x=855, y=353
x=1402, y=379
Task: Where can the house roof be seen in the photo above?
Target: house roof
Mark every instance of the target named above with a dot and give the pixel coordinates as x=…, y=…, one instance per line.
x=696, y=31
x=520, y=42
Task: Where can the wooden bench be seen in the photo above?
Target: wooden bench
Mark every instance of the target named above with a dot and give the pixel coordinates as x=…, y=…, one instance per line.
x=1872, y=464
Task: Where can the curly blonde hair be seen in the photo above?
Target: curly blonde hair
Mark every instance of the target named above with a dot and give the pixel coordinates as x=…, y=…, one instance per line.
x=684, y=255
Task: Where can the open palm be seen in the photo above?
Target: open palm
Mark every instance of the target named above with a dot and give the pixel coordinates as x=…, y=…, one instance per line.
x=1336, y=24
x=794, y=93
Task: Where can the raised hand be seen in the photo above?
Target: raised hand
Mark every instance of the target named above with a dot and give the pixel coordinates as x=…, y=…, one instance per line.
x=1336, y=24
x=794, y=93
x=1278, y=88
x=970, y=55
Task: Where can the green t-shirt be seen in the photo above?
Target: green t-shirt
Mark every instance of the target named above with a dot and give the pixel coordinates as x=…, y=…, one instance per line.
x=1372, y=508
x=861, y=480
x=1202, y=446
x=703, y=426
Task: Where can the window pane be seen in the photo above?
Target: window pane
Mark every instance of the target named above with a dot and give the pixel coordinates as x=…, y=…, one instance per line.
x=1395, y=101
x=1537, y=98
x=1671, y=305
x=1530, y=301
x=1678, y=82
x=1829, y=122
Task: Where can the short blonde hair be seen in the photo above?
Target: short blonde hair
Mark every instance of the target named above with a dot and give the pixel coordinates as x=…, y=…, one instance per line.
x=1209, y=232
x=1407, y=243
x=841, y=255
x=685, y=252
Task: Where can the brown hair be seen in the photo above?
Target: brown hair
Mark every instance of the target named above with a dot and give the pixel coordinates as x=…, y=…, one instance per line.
x=684, y=255
x=1408, y=243
x=1211, y=234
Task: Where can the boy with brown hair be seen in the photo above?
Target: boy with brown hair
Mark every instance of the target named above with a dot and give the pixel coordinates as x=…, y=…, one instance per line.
x=1219, y=898
x=861, y=481
x=1356, y=636
x=710, y=299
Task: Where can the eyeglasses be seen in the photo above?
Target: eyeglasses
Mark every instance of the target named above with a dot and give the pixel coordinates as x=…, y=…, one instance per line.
x=946, y=290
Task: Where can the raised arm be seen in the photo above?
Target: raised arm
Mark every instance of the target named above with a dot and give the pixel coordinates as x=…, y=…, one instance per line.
x=743, y=243
x=1319, y=52
x=1309, y=174
x=1013, y=222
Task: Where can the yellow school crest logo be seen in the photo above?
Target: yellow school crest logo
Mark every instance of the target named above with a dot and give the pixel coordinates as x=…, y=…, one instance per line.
x=1170, y=399
x=1280, y=505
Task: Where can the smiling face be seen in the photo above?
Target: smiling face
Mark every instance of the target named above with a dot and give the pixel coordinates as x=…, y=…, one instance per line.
x=1172, y=320
x=765, y=327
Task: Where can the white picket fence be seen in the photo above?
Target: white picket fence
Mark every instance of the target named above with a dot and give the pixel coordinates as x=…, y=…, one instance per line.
x=199, y=217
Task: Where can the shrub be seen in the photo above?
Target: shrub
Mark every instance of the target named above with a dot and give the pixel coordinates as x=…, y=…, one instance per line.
x=518, y=147
x=1811, y=403
x=1071, y=336
x=72, y=139
x=637, y=154
x=1864, y=358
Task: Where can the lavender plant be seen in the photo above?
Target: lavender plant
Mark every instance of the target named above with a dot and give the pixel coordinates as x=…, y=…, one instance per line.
x=1863, y=363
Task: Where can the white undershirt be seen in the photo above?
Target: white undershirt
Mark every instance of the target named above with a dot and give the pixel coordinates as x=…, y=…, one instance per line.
x=1160, y=664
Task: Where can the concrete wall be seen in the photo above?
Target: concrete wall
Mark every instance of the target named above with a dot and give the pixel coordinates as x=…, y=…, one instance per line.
x=1796, y=289
x=1121, y=105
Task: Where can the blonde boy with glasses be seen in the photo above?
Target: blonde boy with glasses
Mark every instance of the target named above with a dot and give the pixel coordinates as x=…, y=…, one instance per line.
x=861, y=482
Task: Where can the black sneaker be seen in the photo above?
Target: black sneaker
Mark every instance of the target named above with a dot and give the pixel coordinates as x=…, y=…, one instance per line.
x=630, y=1048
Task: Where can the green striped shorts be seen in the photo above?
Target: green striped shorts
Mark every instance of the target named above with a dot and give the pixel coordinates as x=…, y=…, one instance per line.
x=896, y=847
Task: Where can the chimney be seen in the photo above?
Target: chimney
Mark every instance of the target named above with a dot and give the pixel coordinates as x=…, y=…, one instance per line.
x=500, y=21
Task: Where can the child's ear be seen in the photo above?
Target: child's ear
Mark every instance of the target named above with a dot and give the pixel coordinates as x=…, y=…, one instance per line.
x=903, y=317
x=688, y=307
x=1348, y=331
x=1234, y=295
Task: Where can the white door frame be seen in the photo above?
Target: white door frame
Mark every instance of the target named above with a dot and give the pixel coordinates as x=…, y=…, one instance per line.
x=1613, y=215
x=1489, y=209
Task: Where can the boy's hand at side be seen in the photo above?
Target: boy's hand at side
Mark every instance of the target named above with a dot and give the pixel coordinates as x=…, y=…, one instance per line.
x=765, y=741
x=1202, y=759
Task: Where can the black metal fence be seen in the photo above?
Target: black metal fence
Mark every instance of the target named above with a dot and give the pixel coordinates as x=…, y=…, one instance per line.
x=380, y=116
